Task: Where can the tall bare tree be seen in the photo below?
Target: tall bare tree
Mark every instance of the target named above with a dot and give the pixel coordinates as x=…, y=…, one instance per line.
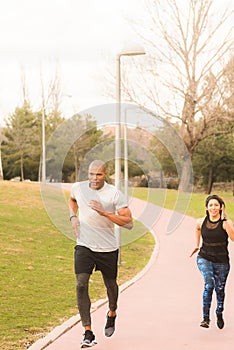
x=188, y=45
x=51, y=117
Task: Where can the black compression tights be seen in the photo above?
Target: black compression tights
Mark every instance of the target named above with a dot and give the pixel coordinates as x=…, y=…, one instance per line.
x=83, y=300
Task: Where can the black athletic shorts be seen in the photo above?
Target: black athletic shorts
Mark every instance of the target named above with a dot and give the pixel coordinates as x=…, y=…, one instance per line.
x=86, y=260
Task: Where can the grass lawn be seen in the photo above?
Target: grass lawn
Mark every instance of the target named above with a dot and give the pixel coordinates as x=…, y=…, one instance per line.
x=194, y=206
x=36, y=267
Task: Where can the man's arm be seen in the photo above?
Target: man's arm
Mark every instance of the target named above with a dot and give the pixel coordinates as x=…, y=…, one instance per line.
x=122, y=218
x=73, y=208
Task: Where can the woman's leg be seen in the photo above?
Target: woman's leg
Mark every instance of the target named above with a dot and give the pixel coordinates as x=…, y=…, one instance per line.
x=221, y=272
x=206, y=268
x=83, y=300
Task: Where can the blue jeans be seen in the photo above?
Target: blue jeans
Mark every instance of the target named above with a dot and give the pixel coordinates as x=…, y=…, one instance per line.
x=215, y=277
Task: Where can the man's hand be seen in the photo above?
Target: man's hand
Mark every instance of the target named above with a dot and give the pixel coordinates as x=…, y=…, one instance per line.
x=97, y=206
x=75, y=226
x=123, y=218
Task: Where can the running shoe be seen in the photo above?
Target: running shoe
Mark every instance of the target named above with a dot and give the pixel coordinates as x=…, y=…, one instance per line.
x=205, y=323
x=89, y=340
x=220, y=321
x=110, y=325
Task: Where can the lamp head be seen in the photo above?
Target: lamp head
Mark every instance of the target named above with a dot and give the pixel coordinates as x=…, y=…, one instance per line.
x=132, y=50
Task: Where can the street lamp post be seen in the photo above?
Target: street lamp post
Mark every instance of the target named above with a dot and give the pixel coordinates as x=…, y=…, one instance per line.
x=43, y=162
x=118, y=126
x=125, y=136
x=1, y=169
x=130, y=52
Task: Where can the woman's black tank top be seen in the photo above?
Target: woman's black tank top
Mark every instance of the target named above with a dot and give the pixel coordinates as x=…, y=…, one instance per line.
x=214, y=242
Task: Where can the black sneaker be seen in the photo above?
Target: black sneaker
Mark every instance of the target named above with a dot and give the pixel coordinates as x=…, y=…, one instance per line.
x=89, y=340
x=110, y=326
x=205, y=323
x=220, y=321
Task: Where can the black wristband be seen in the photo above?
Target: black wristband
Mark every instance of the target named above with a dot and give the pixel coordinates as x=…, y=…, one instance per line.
x=224, y=219
x=73, y=216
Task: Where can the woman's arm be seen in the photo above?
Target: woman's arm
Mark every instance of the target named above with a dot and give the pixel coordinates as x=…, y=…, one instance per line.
x=229, y=228
x=227, y=224
x=197, y=236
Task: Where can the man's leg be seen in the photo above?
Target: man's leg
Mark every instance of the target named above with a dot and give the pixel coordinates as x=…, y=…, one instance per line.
x=112, y=293
x=83, y=300
x=112, y=289
x=84, y=304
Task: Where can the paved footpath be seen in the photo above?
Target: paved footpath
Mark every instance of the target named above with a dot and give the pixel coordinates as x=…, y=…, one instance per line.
x=161, y=308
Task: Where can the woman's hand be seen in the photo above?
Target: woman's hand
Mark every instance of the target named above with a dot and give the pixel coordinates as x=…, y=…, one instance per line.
x=223, y=214
x=194, y=251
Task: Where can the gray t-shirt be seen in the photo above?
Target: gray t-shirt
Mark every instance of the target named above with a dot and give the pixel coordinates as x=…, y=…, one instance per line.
x=97, y=231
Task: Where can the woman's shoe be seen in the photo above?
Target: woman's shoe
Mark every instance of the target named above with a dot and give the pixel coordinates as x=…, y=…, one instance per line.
x=220, y=321
x=205, y=323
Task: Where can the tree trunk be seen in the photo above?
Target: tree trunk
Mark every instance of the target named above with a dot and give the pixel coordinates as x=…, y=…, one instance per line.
x=22, y=168
x=210, y=181
x=186, y=177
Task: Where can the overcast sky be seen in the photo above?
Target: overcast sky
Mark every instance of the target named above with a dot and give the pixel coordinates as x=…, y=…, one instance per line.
x=81, y=35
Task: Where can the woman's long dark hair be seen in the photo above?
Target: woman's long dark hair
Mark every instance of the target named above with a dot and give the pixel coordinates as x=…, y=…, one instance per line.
x=219, y=199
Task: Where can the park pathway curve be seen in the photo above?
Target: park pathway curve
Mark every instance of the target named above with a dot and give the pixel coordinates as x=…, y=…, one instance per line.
x=161, y=309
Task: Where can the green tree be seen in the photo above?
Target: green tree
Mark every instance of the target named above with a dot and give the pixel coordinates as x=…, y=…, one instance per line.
x=69, y=147
x=213, y=161
x=184, y=73
x=88, y=140
x=53, y=119
x=20, y=148
x=213, y=156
